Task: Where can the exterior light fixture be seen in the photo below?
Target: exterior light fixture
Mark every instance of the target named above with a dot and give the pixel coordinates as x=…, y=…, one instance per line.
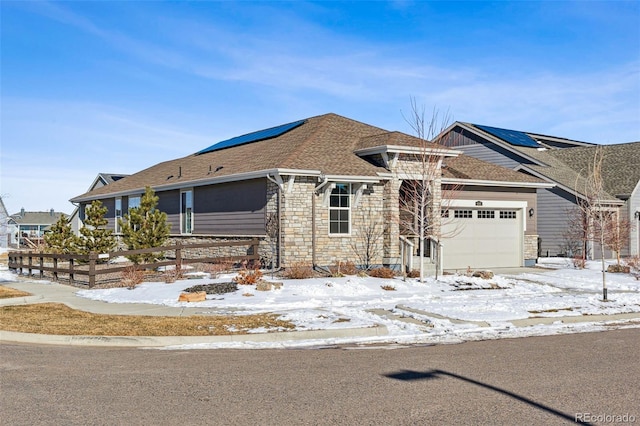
x=531, y=212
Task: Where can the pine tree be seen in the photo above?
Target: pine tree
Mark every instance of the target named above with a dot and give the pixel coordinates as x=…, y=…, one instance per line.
x=60, y=237
x=145, y=227
x=94, y=237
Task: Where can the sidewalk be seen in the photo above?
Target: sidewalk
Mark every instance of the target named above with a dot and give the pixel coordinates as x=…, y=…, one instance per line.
x=59, y=293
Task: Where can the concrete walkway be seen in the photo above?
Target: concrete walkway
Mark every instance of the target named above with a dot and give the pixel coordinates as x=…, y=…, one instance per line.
x=59, y=293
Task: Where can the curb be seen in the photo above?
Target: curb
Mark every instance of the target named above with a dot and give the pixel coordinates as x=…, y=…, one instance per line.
x=158, y=341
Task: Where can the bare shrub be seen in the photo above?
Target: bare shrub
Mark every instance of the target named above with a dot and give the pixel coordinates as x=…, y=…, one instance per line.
x=132, y=276
x=248, y=276
x=339, y=268
x=216, y=269
x=634, y=266
x=388, y=287
x=382, y=273
x=298, y=271
x=172, y=275
x=414, y=273
x=579, y=262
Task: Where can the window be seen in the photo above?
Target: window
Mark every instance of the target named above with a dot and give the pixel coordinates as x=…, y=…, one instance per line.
x=486, y=214
x=186, y=211
x=464, y=214
x=339, y=209
x=444, y=213
x=134, y=202
x=118, y=214
x=507, y=215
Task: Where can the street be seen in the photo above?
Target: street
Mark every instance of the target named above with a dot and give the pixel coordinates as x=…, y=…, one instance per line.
x=591, y=377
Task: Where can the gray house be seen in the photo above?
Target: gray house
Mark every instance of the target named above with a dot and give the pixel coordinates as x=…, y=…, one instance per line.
x=562, y=162
x=101, y=180
x=5, y=235
x=29, y=227
x=326, y=181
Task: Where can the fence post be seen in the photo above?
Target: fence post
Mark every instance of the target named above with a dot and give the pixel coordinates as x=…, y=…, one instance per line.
x=178, y=256
x=41, y=266
x=55, y=269
x=93, y=257
x=30, y=269
x=71, y=270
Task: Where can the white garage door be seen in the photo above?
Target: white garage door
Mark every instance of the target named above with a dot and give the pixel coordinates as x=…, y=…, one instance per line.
x=483, y=238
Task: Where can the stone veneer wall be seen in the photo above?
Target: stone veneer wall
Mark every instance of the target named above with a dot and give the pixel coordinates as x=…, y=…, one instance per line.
x=297, y=224
x=530, y=247
x=263, y=248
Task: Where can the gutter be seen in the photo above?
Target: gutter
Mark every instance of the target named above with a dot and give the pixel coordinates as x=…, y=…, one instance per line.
x=481, y=182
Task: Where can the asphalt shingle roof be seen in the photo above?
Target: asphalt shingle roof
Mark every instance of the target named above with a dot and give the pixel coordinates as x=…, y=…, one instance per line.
x=325, y=144
x=569, y=166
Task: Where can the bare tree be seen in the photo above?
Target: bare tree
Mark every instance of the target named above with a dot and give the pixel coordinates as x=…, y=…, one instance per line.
x=422, y=205
x=367, y=241
x=616, y=234
x=576, y=236
x=597, y=211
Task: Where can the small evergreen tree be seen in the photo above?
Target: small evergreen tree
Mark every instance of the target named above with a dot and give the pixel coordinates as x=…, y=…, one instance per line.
x=94, y=237
x=60, y=237
x=145, y=227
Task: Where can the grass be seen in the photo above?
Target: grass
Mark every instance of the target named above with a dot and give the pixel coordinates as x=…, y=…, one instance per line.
x=7, y=292
x=56, y=318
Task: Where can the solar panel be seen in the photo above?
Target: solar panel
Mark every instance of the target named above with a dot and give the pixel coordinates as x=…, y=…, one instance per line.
x=260, y=135
x=513, y=137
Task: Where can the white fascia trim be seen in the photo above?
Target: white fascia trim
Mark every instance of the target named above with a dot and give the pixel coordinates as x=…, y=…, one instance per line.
x=493, y=204
x=346, y=178
x=207, y=181
x=479, y=182
x=400, y=149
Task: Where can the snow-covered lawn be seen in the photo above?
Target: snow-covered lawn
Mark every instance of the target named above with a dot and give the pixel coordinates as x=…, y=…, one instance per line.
x=454, y=308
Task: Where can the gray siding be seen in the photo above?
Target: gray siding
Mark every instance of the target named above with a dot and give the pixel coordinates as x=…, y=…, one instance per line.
x=169, y=203
x=554, y=207
x=235, y=208
x=477, y=147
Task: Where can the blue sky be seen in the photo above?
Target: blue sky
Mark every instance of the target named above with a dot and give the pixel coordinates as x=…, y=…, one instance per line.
x=89, y=87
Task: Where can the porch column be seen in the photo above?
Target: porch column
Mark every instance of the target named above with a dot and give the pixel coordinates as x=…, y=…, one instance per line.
x=391, y=210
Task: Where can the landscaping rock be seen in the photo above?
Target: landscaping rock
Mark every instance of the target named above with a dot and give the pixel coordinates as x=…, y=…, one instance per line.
x=199, y=296
x=263, y=286
x=214, y=288
x=485, y=275
x=618, y=269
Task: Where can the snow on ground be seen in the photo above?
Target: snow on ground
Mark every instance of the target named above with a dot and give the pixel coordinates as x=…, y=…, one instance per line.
x=453, y=308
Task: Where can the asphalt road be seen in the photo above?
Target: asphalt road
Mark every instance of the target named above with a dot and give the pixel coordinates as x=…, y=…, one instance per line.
x=528, y=381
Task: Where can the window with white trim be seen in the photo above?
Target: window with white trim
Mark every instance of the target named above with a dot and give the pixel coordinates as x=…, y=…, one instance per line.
x=340, y=209
x=134, y=202
x=118, y=214
x=186, y=211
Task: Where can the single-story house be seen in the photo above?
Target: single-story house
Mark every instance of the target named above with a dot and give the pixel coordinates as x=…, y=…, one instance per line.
x=101, y=180
x=5, y=235
x=28, y=228
x=564, y=163
x=327, y=182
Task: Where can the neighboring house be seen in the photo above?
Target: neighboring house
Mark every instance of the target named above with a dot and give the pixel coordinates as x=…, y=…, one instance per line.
x=563, y=162
x=5, y=236
x=101, y=180
x=325, y=180
x=31, y=226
